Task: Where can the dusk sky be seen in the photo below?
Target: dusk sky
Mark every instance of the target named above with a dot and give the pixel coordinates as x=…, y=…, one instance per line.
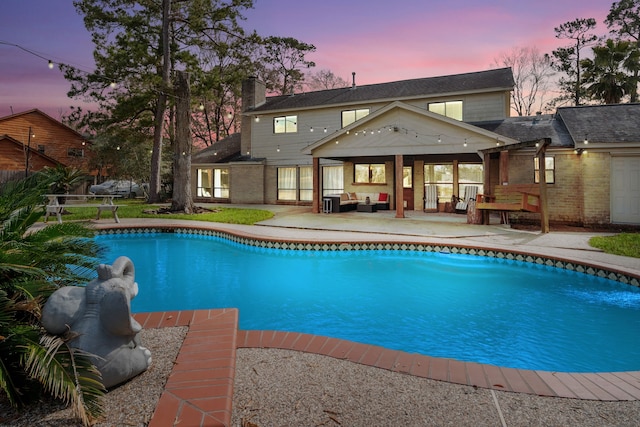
x=381, y=41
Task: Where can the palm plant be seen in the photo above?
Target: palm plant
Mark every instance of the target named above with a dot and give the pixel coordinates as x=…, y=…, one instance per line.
x=606, y=74
x=32, y=265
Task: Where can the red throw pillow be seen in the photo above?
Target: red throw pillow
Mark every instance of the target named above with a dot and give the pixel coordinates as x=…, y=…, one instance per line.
x=382, y=197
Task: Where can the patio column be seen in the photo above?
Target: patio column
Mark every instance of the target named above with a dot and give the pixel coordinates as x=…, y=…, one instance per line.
x=504, y=168
x=399, y=188
x=542, y=175
x=486, y=183
x=317, y=183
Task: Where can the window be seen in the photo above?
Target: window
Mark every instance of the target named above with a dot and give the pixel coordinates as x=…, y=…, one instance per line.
x=306, y=183
x=451, y=109
x=470, y=174
x=350, y=116
x=285, y=124
x=332, y=180
x=221, y=183
x=40, y=148
x=203, y=184
x=212, y=183
x=75, y=152
x=442, y=175
x=295, y=183
x=370, y=174
x=407, y=177
x=550, y=170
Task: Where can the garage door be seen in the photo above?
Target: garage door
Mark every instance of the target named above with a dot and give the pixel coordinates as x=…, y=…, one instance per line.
x=625, y=190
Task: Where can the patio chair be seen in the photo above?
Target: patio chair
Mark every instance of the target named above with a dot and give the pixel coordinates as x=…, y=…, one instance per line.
x=470, y=193
x=430, y=198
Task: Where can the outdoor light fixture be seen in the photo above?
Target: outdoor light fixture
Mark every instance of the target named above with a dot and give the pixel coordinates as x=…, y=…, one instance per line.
x=278, y=149
x=465, y=142
x=439, y=139
x=310, y=128
x=579, y=151
x=586, y=139
x=50, y=65
x=256, y=119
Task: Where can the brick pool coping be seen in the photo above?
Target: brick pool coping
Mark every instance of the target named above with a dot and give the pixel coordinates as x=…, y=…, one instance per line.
x=199, y=390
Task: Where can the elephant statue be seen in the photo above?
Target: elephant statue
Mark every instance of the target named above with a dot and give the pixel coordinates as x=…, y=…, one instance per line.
x=99, y=315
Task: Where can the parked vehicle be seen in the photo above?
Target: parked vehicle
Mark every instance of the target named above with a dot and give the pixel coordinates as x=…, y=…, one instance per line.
x=122, y=188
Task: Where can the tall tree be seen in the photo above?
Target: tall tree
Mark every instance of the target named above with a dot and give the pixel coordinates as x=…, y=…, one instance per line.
x=325, y=79
x=532, y=72
x=568, y=59
x=624, y=20
x=138, y=44
x=182, y=200
x=282, y=59
x=605, y=75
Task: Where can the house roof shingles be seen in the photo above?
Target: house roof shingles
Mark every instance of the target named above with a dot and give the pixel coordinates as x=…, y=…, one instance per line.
x=225, y=150
x=497, y=79
x=602, y=123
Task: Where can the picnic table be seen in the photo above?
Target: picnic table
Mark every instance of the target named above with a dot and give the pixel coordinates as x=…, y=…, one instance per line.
x=79, y=201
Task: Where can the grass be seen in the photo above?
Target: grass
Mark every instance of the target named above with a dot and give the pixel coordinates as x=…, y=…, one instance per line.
x=626, y=244
x=136, y=209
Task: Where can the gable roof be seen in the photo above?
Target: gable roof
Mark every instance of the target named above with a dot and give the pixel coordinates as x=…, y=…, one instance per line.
x=481, y=81
x=23, y=147
x=48, y=117
x=225, y=150
x=612, y=123
x=479, y=138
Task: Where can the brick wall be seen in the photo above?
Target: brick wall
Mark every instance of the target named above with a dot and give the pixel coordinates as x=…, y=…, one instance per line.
x=597, y=187
x=247, y=183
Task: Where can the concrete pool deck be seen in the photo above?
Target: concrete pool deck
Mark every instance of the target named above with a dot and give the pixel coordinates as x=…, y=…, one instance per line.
x=200, y=388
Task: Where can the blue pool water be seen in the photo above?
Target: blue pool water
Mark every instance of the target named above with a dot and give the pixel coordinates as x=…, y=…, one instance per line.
x=470, y=308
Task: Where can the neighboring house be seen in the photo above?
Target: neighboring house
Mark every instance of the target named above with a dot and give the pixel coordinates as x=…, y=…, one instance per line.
x=451, y=131
x=42, y=140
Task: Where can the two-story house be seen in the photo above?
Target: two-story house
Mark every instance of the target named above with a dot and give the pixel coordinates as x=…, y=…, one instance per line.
x=32, y=140
x=397, y=138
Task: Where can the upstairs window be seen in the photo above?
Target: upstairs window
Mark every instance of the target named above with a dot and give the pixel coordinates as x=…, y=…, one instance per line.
x=451, y=109
x=75, y=152
x=285, y=124
x=370, y=174
x=350, y=116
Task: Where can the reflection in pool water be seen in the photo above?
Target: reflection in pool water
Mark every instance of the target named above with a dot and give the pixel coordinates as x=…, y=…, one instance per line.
x=471, y=308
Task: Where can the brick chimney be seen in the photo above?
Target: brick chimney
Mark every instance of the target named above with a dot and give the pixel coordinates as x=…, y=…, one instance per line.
x=254, y=94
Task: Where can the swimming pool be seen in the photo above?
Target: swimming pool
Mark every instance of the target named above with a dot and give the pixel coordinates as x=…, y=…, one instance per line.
x=473, y=308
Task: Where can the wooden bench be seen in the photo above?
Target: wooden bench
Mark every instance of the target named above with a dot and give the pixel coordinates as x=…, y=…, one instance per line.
x=76, y=201
x=510, y=198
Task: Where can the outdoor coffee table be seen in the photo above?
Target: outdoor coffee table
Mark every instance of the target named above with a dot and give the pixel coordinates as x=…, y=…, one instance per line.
x=363, y=207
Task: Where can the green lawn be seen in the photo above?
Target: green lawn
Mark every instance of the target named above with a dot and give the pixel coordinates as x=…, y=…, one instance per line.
x=627, y=244
x=136, y=209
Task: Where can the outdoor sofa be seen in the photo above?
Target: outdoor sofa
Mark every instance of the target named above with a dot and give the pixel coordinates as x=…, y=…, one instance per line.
x=345, y=202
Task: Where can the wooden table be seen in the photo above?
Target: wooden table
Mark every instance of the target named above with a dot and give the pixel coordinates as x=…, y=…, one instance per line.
x=76, y=201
